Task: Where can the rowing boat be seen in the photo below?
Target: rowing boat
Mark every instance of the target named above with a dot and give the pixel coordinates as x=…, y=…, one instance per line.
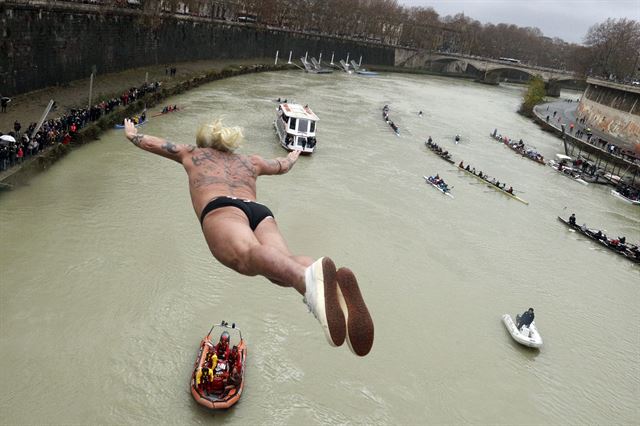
x=437, y=187
x=385, y=117
x=158, y=114
x=591, y=234
x=493, y=186
x=121, y=126
x=447, y=158
x=523, y=152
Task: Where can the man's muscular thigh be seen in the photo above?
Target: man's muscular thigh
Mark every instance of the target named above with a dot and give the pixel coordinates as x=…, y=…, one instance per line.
x=228, y=235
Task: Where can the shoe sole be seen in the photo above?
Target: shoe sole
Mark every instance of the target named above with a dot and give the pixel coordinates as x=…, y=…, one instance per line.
x=335, y=329
x=360, y=331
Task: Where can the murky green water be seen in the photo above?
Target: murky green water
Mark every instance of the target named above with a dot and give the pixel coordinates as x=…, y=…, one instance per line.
x=107, y=285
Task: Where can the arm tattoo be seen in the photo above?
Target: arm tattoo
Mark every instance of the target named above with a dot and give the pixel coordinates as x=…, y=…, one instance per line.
x=291, y=163
x=137, y=139
x=170, y=147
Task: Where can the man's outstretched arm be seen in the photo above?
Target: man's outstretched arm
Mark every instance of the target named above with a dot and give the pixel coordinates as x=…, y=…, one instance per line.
x=156, y=145
x=277, y=166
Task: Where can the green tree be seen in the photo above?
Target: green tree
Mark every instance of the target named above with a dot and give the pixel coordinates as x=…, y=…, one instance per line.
x=534, y=95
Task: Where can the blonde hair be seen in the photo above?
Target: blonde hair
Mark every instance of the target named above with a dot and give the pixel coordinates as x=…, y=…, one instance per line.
x=215, y=136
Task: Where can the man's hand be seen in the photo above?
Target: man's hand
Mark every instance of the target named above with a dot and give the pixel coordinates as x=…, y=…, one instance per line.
x=293, y=156
x=129, y=129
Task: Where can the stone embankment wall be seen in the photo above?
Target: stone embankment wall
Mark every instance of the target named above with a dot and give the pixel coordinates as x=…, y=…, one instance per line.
x=614, y=110
x=46, y=43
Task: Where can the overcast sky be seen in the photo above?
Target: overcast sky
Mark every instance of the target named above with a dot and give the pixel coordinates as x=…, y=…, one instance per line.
x=568, y=19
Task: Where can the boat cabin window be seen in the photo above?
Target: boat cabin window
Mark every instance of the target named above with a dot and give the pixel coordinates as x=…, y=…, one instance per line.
x=312, y=127
x=303, y=126
x=292, y=123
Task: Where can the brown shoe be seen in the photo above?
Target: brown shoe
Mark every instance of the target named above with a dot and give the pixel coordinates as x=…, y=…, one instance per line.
x=321, y=296
x=359, y=323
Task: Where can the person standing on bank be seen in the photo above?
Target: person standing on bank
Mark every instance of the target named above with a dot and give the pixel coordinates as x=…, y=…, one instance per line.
x=243, y=235
x=4, y=101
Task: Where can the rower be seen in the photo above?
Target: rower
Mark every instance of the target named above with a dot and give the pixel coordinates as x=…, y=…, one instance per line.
x=420, y=113
x=430, y=140
x=457, y=138
x=461, y=165
x=572, y=219
x=510, y=190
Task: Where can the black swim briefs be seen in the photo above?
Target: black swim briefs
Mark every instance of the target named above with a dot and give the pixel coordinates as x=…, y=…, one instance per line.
x=255, y=212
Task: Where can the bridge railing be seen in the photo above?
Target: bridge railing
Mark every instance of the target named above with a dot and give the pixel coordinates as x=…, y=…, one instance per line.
x=512, y=64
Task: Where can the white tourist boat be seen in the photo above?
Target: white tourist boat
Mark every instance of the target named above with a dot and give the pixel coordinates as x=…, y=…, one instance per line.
x=296, y=127
x=623, y=198
x=527, y=336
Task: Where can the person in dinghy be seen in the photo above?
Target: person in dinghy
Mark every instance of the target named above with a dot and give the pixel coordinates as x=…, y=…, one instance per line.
x=243, y=235
x=525, y=319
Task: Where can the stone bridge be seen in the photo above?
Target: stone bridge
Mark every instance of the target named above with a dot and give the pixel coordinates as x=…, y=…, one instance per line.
x=486, y=70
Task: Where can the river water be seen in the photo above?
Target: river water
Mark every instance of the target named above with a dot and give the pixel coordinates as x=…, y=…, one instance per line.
x=107, y=285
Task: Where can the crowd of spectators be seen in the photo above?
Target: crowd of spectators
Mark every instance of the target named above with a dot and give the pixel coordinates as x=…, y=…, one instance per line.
x=60, y=130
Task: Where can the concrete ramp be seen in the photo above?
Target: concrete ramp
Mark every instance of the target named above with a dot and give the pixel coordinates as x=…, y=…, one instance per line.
x=307, y=65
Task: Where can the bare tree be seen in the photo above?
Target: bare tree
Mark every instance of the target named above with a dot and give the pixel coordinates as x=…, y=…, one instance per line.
x=615, y=47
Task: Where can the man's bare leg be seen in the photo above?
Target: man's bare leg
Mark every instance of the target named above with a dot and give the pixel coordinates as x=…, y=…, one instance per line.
x=235, y=245
x=269, y=235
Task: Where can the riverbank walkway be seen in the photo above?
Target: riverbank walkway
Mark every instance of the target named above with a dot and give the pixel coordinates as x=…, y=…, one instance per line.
x=28, y=107
x=627, y=159
x=567, y=112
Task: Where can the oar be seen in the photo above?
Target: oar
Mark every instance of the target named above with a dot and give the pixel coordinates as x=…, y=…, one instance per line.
x=209, y=333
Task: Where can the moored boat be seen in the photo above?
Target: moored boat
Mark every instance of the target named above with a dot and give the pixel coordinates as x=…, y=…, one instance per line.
x=217, y=382
x=444, y=191
x=527, y=336
x=567, y=171
x=296, y=127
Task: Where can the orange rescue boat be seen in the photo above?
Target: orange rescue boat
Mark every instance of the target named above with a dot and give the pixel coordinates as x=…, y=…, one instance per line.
x=218, y=374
